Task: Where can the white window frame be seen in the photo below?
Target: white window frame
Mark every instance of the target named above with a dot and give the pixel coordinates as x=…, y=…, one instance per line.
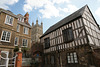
x=26, y=44
x=21, y=19
x=18, y=28
x=26, y=30
x=9, y=22
x=72, y=57
x=6, y=36
x=17, y=41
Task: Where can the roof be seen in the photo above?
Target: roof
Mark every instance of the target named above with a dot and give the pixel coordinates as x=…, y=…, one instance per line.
x=8, y=12
x=67, y=19
x=20, y=15
x=16, y=16
x=24, y=24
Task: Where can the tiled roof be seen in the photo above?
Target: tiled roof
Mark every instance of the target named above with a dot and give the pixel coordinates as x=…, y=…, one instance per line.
x=67, y=19
x=24, y=24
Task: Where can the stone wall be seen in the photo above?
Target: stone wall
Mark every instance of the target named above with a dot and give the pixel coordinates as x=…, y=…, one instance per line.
x=26, y=62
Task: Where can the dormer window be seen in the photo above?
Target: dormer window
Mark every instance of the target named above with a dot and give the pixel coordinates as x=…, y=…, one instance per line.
x=21, y=19
x=9, y=20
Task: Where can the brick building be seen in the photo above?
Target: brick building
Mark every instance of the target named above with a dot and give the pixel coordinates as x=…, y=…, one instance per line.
x=14, y=31
x=72, y=41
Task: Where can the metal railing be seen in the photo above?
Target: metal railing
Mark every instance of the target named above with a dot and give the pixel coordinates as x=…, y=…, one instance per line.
x=6, y=59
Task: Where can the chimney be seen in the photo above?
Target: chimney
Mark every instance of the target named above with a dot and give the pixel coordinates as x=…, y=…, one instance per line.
x=26, y=17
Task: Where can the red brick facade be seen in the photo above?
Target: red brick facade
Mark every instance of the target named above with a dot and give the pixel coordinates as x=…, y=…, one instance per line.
x=19, y=59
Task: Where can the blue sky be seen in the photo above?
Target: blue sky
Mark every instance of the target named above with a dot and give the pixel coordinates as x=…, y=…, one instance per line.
x=49, y=11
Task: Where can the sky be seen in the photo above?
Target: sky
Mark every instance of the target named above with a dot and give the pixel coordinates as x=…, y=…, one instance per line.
x=49, y=11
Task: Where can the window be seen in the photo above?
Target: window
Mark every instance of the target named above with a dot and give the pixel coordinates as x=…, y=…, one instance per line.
x=25, y=30
x=21, y=19
x=52, y=59
x=5, y=36
x=18, y=27
x=68, y=35
x=47, y=42
x=72, y=57
x=16, y=41
x=9, y=20
x=25, y=42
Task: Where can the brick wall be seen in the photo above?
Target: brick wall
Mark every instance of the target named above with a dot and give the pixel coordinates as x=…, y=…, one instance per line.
x=19, y=59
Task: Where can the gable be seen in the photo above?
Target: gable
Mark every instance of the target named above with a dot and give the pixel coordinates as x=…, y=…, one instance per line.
x=87, y=14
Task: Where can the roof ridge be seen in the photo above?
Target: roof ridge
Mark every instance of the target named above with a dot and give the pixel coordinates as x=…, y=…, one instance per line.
x=72, y=13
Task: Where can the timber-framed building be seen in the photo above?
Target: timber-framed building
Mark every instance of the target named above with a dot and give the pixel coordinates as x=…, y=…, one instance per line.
x=72, y=41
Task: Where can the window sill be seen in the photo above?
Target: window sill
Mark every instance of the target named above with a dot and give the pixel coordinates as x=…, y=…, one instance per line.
x=9, y=24
x=25, y=33
x=15, y=45
x=23, y=46
x=5, y=41
x=17, y=31
x=72, y=63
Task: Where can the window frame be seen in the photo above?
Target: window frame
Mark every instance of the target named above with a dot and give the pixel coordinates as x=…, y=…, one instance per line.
x=47, y=43
x=26, y=44
x=17, y=41
x=21, y=19
x=27, y=30
x=5, y=36
x=18, y=29
x=8, y=23
x=68, y=39
x=72, y=57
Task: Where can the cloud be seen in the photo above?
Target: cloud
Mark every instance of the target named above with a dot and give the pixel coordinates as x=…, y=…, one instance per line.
x=97, y=12
x=61, y=1
x=27, y=8
x=4, y=3
x=34, y=4
x=49, y=11
x=98, y=0
x=71, y=8
x=49, y=8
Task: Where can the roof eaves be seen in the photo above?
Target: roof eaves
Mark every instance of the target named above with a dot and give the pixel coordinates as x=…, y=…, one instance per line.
x=7, y=12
